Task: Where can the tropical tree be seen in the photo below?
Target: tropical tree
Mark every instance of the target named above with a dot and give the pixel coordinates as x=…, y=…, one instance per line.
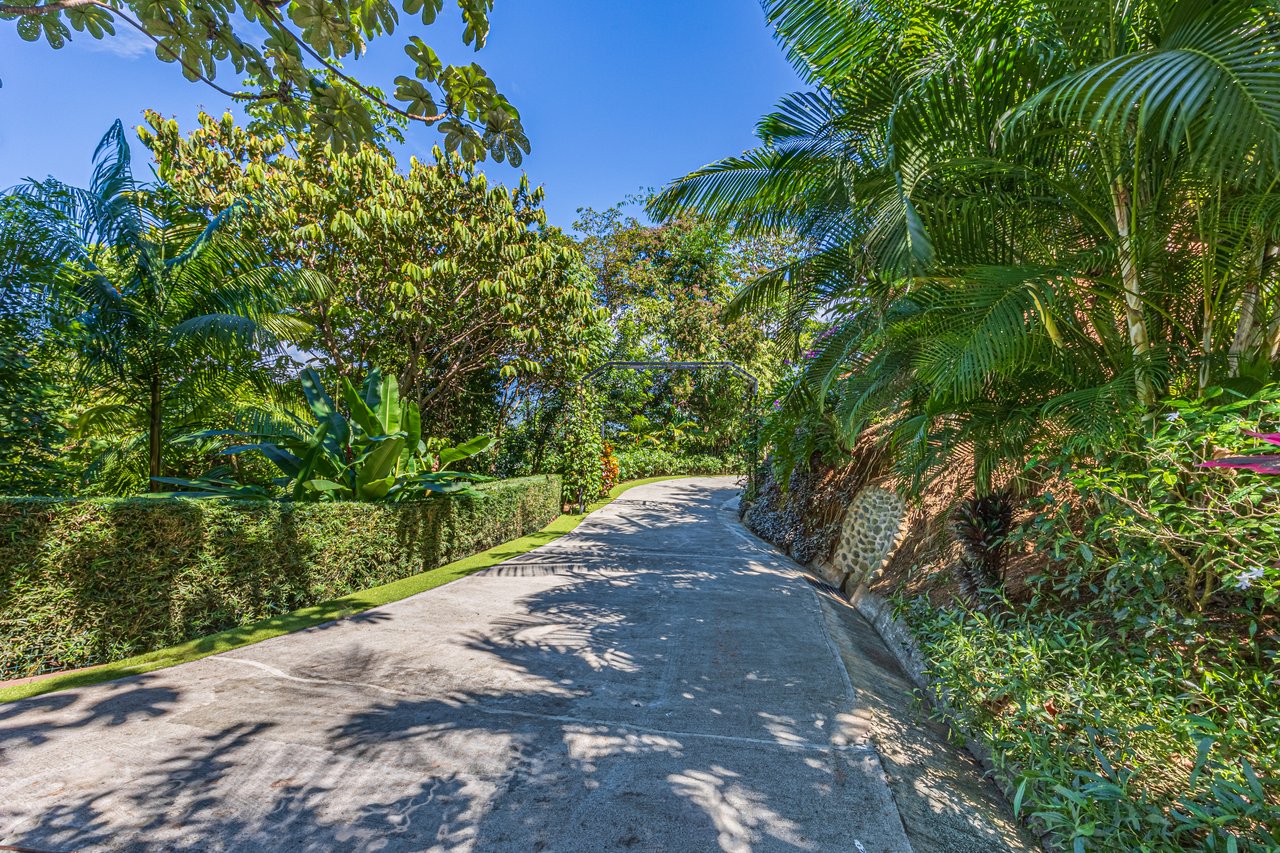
x=35, y=366
x=456, y=286
x=172, y=317
x=289, y=55
x=664, y=288
x=1027, y=218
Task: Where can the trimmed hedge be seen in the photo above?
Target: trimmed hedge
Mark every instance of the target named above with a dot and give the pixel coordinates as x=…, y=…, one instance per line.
x=92, y=581
x=637, y=462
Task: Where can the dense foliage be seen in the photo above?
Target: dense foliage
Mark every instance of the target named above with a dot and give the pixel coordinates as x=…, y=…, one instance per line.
x=287, y=56
x=95, y=581
x=1148, y=528
x=584, y=450
x=171, y=317
x=665, y=288
x=638, y=463
x=1163, y=738
x=456, y=286
x=1025, y=220
x=374, y=453
x=34, y=375
x=165, y=327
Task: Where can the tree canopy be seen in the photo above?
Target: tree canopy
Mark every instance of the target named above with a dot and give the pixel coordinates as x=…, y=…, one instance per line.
x=455, y=286
x=170, y=314
x=666, y=288
x=1026, y=218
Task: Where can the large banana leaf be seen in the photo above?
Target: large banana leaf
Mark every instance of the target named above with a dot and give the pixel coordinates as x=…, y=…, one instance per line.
x=361, y=412
x=376, y=469
x=467, y=449
x=310, y=460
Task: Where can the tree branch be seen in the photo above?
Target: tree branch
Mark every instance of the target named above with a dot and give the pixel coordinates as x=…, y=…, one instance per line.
x=270, y=9
x=268, y=6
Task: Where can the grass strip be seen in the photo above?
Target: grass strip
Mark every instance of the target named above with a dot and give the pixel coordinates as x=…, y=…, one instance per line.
x=309, y=617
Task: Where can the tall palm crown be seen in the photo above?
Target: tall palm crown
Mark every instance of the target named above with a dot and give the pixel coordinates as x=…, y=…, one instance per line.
x=171, y=314
x=1027, y=217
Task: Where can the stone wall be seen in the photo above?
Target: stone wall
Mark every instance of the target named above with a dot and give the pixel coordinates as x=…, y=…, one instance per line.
x=844, y=524
x=870, y=531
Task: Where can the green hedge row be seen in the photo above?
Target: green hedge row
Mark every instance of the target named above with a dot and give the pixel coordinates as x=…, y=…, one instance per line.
x=641, y=462
x=93, y=581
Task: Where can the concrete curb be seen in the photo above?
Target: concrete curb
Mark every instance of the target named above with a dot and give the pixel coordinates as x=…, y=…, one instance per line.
x=898, y=640
x=898, y=637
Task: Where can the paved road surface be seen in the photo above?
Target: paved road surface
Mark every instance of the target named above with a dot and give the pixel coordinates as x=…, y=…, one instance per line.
x=657, y=681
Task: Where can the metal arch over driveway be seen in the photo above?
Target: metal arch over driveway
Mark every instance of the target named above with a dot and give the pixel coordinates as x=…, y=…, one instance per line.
x=752, y=382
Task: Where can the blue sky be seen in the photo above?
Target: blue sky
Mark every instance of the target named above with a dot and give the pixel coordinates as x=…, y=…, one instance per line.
x=615, y=94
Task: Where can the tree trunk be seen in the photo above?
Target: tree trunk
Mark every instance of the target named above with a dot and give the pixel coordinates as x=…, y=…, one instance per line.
x=1134, y=311
x=1246, y=335
x=153, y=434
x=1244, y=329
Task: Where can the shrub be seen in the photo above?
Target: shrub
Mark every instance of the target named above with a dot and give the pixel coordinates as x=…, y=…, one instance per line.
x=583, y=449
x=638, y=462
x=609, y=469
x=88, y=582
x=1159, y=736
x=1151, y=527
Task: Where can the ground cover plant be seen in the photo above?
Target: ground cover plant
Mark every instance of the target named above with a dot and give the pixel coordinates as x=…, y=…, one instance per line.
x=1113, y=736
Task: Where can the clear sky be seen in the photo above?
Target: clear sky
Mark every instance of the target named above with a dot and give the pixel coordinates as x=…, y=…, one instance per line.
x=615, y=95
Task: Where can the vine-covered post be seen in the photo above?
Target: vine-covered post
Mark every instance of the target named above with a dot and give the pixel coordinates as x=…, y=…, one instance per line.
x=583, y=448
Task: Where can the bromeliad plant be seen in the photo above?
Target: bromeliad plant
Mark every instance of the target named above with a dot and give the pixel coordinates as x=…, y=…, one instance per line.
x=375, y=453
x=1259, y=463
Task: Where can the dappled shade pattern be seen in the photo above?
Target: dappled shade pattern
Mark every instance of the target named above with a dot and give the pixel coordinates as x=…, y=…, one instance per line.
x=656, y=680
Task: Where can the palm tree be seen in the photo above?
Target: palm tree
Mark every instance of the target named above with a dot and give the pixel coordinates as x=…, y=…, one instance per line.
x=173, y=316
x=1027, y=217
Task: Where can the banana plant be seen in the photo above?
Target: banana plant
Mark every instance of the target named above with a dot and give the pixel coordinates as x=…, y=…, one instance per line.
x=373, y=453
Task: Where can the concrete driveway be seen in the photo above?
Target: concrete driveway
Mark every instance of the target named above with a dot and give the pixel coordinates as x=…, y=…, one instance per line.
x=658, y=680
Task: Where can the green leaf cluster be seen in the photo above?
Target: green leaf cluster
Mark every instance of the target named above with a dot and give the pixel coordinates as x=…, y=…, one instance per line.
x=288, y=57
x=375, y=452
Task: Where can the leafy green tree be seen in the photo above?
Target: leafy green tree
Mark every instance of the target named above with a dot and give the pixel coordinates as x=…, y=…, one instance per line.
x=665, y=288
x=456, y=286
x=289, y=56
x=35, y=368
x=170, y=315
x=1026, y=218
